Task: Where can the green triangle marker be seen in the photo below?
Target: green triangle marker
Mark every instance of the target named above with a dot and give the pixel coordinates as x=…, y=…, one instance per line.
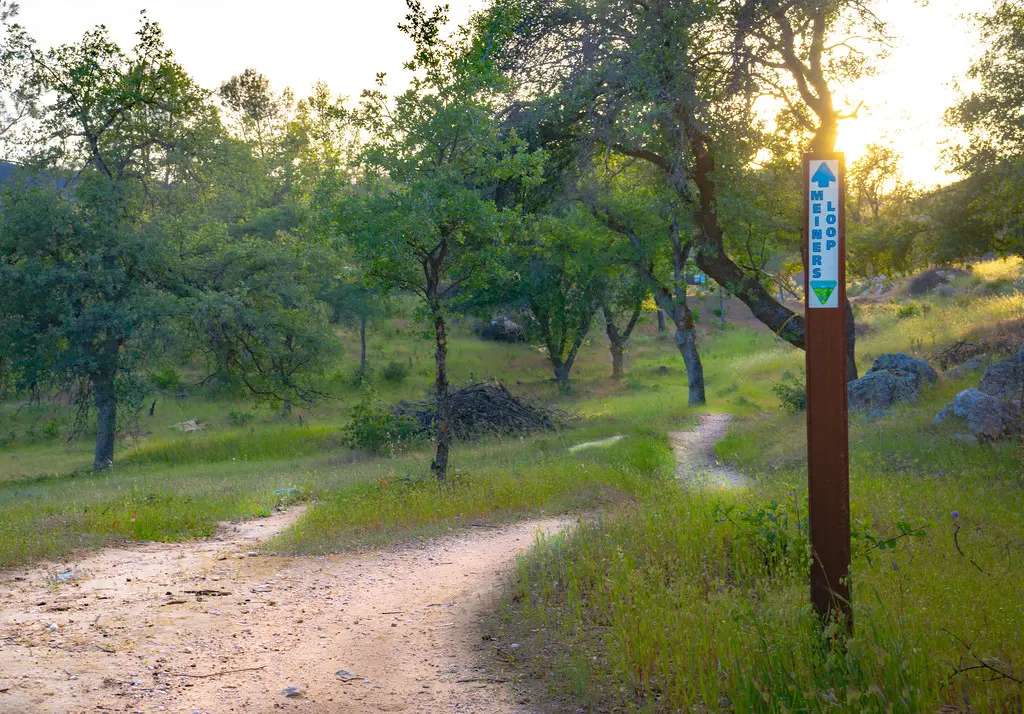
x=824, y=290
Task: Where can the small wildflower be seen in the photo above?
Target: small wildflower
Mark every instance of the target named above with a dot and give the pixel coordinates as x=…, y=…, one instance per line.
x=940, y=473
x=955, y=515
x=895, y=565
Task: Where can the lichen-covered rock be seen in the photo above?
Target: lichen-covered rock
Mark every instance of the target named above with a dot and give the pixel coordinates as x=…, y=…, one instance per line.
x=986, y=416
x=906, y=363
x=880, y=389
x=1005, y=379
x=974, y=364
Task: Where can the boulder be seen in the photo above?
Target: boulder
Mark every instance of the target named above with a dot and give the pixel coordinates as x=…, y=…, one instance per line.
x=500, y=329
x=880, y=389
x=1005, y=379
x=906, y=363
x=974, y=364
x=986, y=416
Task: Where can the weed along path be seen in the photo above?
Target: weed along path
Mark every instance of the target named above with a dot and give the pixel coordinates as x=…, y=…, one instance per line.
x=212, y=626
x=696, y=462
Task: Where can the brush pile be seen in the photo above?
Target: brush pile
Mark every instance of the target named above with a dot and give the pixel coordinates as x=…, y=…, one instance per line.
x=483, y=408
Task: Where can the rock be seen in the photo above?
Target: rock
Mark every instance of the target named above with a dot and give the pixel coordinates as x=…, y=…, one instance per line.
x=292, y=692
x=882, y=388
x=906, y=363
x=974, y=364
x=946, y=291
x=345, y=675
x=663, y=369
x=986, y=416
x=189, y=426
x=1005, y=379
x=933, y=279
x=500, y=329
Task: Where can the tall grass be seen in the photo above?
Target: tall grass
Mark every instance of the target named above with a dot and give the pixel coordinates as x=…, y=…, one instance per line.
x=696, y=601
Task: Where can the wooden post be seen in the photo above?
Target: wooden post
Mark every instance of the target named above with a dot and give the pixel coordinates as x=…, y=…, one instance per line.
x=828, y=474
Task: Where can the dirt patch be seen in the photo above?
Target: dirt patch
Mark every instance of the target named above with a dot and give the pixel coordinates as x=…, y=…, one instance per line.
x=213, y=626
x=696, y=463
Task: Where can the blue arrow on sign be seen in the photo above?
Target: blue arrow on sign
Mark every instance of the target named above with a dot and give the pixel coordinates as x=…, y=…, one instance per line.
x=823, y=176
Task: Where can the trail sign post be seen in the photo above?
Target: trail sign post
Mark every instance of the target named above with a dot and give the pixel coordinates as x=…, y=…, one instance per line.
x=828, y=474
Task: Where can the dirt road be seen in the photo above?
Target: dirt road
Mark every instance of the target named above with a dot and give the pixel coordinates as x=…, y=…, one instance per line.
x=210, y=626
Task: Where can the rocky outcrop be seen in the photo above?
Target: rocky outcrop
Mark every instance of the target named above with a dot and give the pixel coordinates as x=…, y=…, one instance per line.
x=1004, y=380
x=906, y=363
x=985, y=416
x=881, y=389
x=893, y=378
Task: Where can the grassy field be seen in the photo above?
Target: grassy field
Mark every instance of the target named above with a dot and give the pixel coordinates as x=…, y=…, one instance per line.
x=170, y=485
x=698, y=601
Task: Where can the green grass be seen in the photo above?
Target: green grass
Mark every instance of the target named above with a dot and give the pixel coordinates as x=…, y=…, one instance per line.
x=699, y=602
x=179, y=485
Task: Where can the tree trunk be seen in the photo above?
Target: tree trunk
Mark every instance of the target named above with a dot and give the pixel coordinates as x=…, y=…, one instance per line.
x=286, y=408
x=618, y=350
x=362, y=346
x=106, y=422
x=443, y=435
x=686, y=341
x=616, y=341
x=561, y=370
x=661, y=322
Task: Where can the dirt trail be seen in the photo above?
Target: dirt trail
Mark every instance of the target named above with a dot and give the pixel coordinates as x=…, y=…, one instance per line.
x=696, y=462
x=211, y=626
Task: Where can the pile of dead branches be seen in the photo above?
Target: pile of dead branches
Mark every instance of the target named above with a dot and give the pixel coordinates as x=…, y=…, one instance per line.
x=1001, y=339
x=483, y=408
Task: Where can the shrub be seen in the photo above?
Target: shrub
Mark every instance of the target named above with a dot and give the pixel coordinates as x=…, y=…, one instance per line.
x=166, y=379
x=51, y=428
x=355, y=378
x=792, y=393
x=376, y=429
x=395, y=372
x=240, y=418
x=911, y=309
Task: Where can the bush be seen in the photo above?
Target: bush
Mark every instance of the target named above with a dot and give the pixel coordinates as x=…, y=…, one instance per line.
x=374, y=428
x=792, y=393
x=395, y=372
x=911, y=309
x=166, y=379
x=51, y=428
x=240, y=418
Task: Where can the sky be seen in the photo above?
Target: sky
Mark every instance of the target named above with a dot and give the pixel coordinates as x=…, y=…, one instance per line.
x=347, y=42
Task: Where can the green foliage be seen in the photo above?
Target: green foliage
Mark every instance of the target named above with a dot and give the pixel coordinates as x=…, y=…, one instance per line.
x=237, y=418
x=911, y=309
x=374, y=428
x=86, y=261
x=792, y=393
x=395, y=372
x=167, y=379
x=562, y=285
x=985, y=208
